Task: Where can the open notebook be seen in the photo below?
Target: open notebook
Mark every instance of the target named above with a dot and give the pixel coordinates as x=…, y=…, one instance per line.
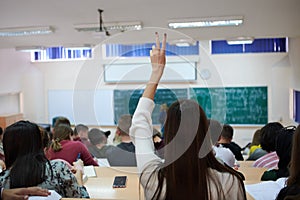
x=266, y=189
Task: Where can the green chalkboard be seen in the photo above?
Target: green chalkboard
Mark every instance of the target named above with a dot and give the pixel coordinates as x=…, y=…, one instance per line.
x=234, y=105
x=125, y=101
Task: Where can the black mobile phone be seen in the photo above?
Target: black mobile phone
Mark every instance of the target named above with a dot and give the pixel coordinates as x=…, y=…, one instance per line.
x=120, y=182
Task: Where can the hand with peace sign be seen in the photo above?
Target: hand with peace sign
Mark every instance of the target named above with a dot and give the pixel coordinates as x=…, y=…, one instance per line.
x=158, y=62
x=158, y=58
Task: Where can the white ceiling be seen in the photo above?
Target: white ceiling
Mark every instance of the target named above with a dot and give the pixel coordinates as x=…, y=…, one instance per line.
x=262, y=18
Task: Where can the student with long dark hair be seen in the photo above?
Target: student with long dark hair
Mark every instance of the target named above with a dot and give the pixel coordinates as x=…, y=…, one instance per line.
x=268, y=138
x=189, y=170
x=292, y=190
x=27, y=165
x=283, y=148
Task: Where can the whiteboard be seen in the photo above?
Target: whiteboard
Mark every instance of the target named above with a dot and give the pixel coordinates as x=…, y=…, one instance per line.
x=89, y=107
x=128, y=72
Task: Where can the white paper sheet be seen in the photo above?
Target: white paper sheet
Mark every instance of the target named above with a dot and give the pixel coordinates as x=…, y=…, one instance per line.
x=103, y=162
x=89, y=171
x=53, y=196
x=266, y=190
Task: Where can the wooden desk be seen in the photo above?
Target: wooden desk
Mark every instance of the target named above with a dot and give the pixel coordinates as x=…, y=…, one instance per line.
x=246, y=163
x=252, y=174
x=100, y=187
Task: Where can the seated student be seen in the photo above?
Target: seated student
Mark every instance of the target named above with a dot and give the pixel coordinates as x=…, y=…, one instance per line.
x=81, y=134
x=27, y=165
x=124, y=124
x=256, y=151
x=184, y=174
x=158, y=143
x=98, y=139
x=292, y=189
x=57, y=121
x=283, y=149
x=222, y=154
x=268, y=141
x=226, y=141
x=60, y=120
x=64, y=148
x=124, y=153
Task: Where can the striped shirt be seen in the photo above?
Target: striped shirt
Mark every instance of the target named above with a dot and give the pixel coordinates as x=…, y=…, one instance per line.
x=269, y=161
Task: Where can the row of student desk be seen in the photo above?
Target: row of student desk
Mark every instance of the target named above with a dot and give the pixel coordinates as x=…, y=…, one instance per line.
x=100, y=187
x=252, y=174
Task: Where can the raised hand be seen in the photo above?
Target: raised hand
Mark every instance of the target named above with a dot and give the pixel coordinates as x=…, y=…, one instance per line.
x=158, y=59
x=158, y=62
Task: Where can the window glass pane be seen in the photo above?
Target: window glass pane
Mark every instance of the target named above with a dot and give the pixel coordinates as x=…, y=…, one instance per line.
x=142, y=50
x=56, y=53
x=258, y=46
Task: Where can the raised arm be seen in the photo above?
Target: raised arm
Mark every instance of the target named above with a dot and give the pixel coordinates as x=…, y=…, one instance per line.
x=141, y=129
x=158, y=62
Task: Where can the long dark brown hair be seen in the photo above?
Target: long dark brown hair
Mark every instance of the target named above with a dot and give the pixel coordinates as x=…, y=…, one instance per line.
x=24, y=154
x=186, y=167
x=294, y=177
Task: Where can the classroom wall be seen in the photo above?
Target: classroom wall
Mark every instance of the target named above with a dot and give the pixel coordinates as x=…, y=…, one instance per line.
x=19, y=75
x=278, y=71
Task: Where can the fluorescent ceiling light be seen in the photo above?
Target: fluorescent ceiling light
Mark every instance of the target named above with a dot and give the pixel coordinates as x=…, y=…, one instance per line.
x=30, y=48
x=240, y=40
x=24, y=31
x=206, y=22
x=183, y=42
x=121, y=26
x=78, y=46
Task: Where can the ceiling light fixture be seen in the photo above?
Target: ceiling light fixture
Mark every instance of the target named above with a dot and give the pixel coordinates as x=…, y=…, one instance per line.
x=121, y=26
x=30, y=48
x=206, y=22
x=78, y=46
x=240, y=40
x=24, y=31
x=183, y=42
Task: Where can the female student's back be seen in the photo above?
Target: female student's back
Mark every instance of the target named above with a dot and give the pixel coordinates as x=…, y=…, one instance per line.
x=189, y=171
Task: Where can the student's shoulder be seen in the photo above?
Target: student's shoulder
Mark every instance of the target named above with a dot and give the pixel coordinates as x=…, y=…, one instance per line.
x=58, y=164
x=235, y=145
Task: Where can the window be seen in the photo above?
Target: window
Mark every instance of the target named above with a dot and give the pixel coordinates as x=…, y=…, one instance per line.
x=61, y=53
x=141, y=50
x=258, y=46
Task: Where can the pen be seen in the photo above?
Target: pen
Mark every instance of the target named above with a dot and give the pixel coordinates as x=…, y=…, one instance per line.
x=78, y=157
